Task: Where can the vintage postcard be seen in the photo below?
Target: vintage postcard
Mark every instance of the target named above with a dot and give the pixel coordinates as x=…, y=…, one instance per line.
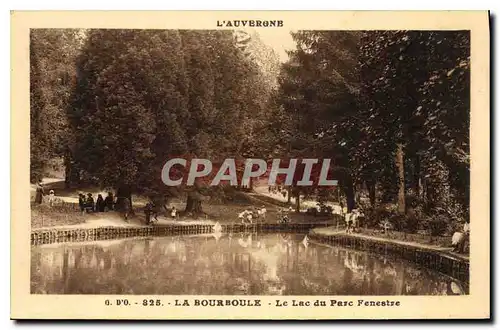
x=250, y=165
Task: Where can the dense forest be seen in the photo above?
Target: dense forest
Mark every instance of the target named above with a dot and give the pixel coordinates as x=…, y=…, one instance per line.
x=390, y=108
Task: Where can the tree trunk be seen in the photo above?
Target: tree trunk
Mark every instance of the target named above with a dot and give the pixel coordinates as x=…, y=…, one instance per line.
x=351, y=202
x=123, y=192
x=67, y=170
x=297, y=202
x=193, y=205
x=371, y=192
x=401, y=181
x=416, y=176
x=349, y=194
x=357, y=194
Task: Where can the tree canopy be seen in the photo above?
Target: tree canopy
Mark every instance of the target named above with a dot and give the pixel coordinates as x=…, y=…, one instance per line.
x=390, y=108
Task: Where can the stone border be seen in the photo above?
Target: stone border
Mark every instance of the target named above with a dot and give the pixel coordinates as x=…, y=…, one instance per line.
x=61, y=235
x=443, y=262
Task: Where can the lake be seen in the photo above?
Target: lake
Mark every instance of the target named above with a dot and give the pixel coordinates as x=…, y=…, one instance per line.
x=222, y=264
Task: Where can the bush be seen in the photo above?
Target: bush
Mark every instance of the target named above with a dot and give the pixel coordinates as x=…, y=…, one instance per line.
x=398, y=221
x=375, y=216
x=438, y=225
x=412, y=221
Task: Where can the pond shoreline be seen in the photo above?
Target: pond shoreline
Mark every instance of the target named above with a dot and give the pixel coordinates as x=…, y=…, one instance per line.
x=82, y=234
x=433, y=257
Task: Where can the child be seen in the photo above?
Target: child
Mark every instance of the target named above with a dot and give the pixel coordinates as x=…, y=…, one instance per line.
x=173, y=213
x=52, y=197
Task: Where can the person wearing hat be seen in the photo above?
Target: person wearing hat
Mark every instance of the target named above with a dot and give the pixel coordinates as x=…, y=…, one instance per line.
x=89, y=203
x=81, y=202
x=109, y=201
x=39, y=192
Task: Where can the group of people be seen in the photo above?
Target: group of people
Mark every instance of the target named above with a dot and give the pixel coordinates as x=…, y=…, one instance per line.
x=351, y=221
x=152, y=210
x=40, y=194
x=277, y=190
x=247, y=216
x=88, y=204
x=283, y=214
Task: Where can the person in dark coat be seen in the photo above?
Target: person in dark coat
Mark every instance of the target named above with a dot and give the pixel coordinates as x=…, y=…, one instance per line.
x=109, y=201
x=39, y=192
x=90, y=203
x=99, y=207
x=81, y=202
x=125, y=208
x=148, y=210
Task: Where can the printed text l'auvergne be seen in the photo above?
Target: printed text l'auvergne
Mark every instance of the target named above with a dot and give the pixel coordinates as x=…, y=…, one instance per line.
x=250, y=23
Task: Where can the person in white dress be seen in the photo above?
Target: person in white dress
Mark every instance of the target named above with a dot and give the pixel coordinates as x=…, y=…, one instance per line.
x=460, y=238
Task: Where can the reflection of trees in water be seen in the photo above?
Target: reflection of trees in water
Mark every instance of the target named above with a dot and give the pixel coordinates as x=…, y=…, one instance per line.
x=265, y=264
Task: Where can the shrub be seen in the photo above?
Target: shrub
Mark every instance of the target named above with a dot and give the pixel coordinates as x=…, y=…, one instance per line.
x=375, y=216
x=412, y=221
x=398, y=221
x=438, y=225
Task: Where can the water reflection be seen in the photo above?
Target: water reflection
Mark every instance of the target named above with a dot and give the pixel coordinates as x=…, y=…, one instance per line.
x=217, y=263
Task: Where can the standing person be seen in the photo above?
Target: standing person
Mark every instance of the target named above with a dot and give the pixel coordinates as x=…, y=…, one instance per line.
x=148, y=210
x=90, y=203
x=52, y=197
x=39, y=192
x=460, y=238
x=99, y=207
x=173, y=213
x=466, y=238
x=109, y=201
x=126, y=208
x=348, y=223
x=81, y=202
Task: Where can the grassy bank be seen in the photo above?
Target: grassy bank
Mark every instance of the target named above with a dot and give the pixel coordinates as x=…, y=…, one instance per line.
x=439, y=243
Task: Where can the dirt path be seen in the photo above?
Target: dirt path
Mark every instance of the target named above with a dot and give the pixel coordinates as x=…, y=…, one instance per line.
x=304, y=204
x=328, y=231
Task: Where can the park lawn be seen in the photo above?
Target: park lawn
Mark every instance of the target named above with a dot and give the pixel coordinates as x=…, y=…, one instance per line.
x=425, y=239
x=68, y=214
x=441, y=243
x=45, y=216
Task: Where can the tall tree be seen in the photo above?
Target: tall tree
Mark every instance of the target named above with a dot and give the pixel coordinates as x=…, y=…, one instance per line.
x=52, y=75
x=160, y=94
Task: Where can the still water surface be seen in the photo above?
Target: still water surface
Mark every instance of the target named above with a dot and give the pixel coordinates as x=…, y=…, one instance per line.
x=240, y=264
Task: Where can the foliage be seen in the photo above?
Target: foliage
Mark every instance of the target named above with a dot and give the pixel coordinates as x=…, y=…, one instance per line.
x=159, y=95
x=364, y=97
x=438, y=225
x=52, y=75
x=121, y=102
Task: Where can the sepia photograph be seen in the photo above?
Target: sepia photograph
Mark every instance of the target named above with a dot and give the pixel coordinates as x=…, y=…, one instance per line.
x=251, y=159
